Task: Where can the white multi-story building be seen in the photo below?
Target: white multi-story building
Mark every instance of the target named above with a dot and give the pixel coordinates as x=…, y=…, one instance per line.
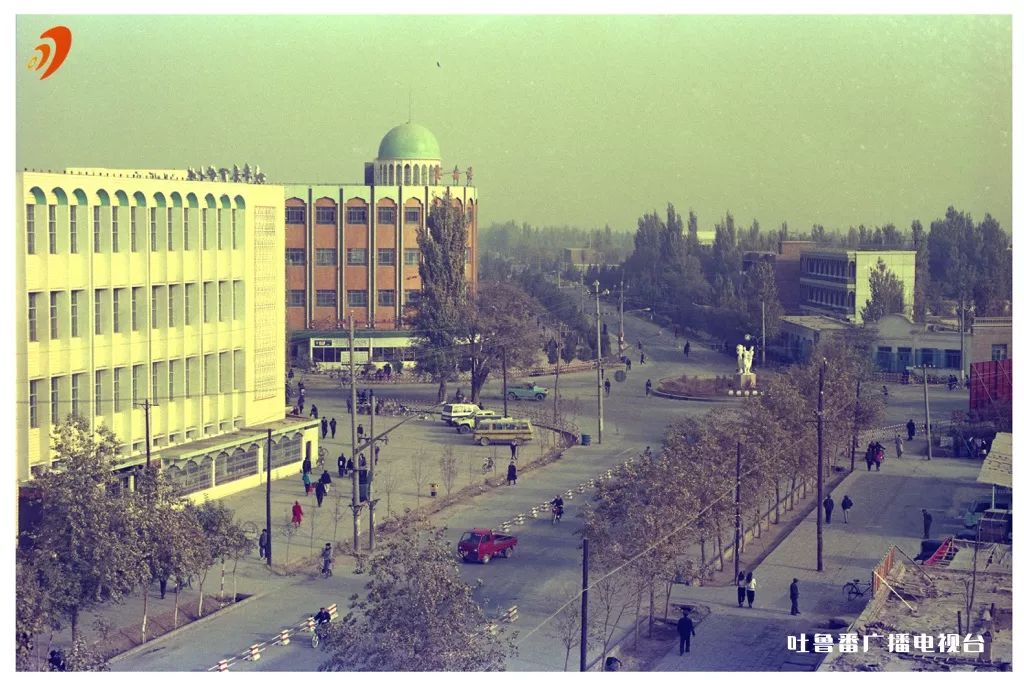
x=142, y=290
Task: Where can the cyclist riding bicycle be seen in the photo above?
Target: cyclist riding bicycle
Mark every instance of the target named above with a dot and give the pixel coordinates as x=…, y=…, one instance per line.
x=323, y=616
x=557, y=508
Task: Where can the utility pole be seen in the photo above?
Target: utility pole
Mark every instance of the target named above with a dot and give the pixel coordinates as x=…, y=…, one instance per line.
x=928, y=411
x=583, y=605
x=355, y=444
x=600, y=385
x=558, y=363
x=962, y=302
x=504, y=382
x=622, y=328
x=736, y=538
x=146, y=406
x=270, y=443
x=369, y=479
x=856, y=421
x=821, y=456
x=764, y=339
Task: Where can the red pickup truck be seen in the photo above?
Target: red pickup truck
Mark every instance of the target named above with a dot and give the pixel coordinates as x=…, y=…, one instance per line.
x=480, y=545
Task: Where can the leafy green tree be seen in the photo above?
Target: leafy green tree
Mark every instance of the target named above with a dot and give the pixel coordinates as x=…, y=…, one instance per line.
x=223, y=539
x=438, y=318
x=922, y=277
x=500, y=325
x=885, y=296
x=418, y=614
x=84, y=528
x=34, y=611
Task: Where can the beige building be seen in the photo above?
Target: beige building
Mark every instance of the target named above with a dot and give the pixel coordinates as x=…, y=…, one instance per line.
x=836, y=282
x=137, y=293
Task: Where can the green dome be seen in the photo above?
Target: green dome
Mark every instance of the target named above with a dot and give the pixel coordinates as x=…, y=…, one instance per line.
x=409, y=141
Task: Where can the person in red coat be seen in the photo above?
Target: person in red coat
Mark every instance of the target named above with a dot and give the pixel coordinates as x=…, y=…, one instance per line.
x=297, y=514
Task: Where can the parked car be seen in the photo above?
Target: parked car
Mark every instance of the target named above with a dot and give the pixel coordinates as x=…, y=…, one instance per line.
x=527, y=391
x=978, y=507
x=503, y=431
x=480, y=545
x=466, y=424
x=458, y=410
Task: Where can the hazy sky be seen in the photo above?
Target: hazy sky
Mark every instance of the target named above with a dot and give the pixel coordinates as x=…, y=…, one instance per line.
x=566, y=120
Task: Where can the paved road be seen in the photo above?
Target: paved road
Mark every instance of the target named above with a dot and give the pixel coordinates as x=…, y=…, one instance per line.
x=548, y=562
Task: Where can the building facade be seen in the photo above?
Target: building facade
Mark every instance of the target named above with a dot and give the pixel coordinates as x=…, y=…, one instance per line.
x=835, y=282
x=352, y=249
x=142, y=294
x=902, y=344
x=785, y=262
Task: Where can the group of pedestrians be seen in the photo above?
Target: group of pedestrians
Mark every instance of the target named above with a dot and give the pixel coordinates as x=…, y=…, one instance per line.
x=829, y=505
x=325, y=424
x=746, y=588
x=875, y=455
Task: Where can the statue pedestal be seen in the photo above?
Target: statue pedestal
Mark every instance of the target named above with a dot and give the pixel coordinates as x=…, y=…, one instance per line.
x=746, y=381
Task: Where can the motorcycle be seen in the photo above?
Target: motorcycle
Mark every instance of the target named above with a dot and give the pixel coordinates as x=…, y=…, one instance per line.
x=556, y=513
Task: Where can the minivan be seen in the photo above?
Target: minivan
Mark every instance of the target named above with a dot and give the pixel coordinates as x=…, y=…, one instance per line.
x=503, y=431
x=449, y=411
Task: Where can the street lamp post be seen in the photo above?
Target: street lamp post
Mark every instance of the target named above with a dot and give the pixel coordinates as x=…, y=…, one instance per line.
x=927, y=411
x=600, y=385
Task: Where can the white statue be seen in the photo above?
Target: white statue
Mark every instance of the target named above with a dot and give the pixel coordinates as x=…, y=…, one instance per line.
x=744, y=358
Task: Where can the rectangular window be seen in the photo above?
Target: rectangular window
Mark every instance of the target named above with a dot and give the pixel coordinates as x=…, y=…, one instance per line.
x=186, y=228
x=136, y=295
x=30, y=229
x=220, y=230
x=76, y=298
x=326, y=214
x=54, y=328
x=386, y=215
x=73, y=228
x=222, y=301
x=154, y=233
x=357, y=298
x=52, y=214
x=115, y=240
x=412, y=296
x=156, y=375
x=386, y=298
x=356, y=215
x=326, y=256
x=116, y=392
x=172, y=376
x=357, y=255
x=33, y=403
x=210, y=371
x=54, y=400
x=412, y=256
x=237, y=300
x=386, y=256
x=191, y=366
x=153, y=308
x=224, y=379
x=295, y=256
x=137, y=385
x=172, y=305
x=239, y=370
x=326, y=298
x=207, y=301
x=234, y=230
x=99, y=379
x=296, y=298
x=204, y=219
x=170, y=229
x=190, y=295
x=76, y=390
x=133, y=229
x=295, y=214
x=469, y=215
x=999, y=352
x=96, y=230
x=118, y=294
x=33, y=321
x=97, y=309
x=412, y=215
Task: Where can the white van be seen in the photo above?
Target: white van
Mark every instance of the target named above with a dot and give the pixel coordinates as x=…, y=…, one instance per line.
x=503, y=431
x=449, y=411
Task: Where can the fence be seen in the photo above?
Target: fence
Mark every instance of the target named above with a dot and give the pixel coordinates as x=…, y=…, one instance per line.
x=254, y=652
x=882, y=569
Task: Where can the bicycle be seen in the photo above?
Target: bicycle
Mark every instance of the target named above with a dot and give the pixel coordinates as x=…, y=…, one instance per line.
x=488, y=465
x=854, y=589
x=315, y=640
x=326, y=570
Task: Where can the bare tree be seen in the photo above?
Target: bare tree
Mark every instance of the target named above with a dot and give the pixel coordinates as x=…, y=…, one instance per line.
x=419, y=474
x=449, y=469
x=567, y=623
x=389, y=482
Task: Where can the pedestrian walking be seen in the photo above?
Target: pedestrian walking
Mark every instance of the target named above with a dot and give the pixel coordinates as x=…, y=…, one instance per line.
x=511, y=476
x=869, y=455
x=163, y=587
x=515, y=450
x=297, y=514
x=607, y=387
x=643, y=358
x=629, y=364
x=326, y=557
x=686, y=350
x=341, y=465
x=307, y=483
x=794, y=597
x=846, y=504
x=320, y=493
x=751, y=589
x=348, y=404
x=359, y=432
x=325, y=479
x=879, y=455
x=648, y=387
x=302, y=404
x=376, y=455
x=927, y=517
x=307, y=464
x=911, y=429
x=899, y=446
x=350, y=465
x=686, y=630
x=829, y=506
x=334, y=427
x=741, y=588
x=313, y=412
x=640, y=345
x=263, y=543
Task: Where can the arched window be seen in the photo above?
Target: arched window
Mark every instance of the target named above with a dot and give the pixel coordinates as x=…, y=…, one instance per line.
x=416, y=175
x=408, y=174
x=391, y=173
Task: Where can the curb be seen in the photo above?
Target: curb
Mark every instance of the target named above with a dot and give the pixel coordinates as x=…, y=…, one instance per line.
x=167, y=636
x=679, y=397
